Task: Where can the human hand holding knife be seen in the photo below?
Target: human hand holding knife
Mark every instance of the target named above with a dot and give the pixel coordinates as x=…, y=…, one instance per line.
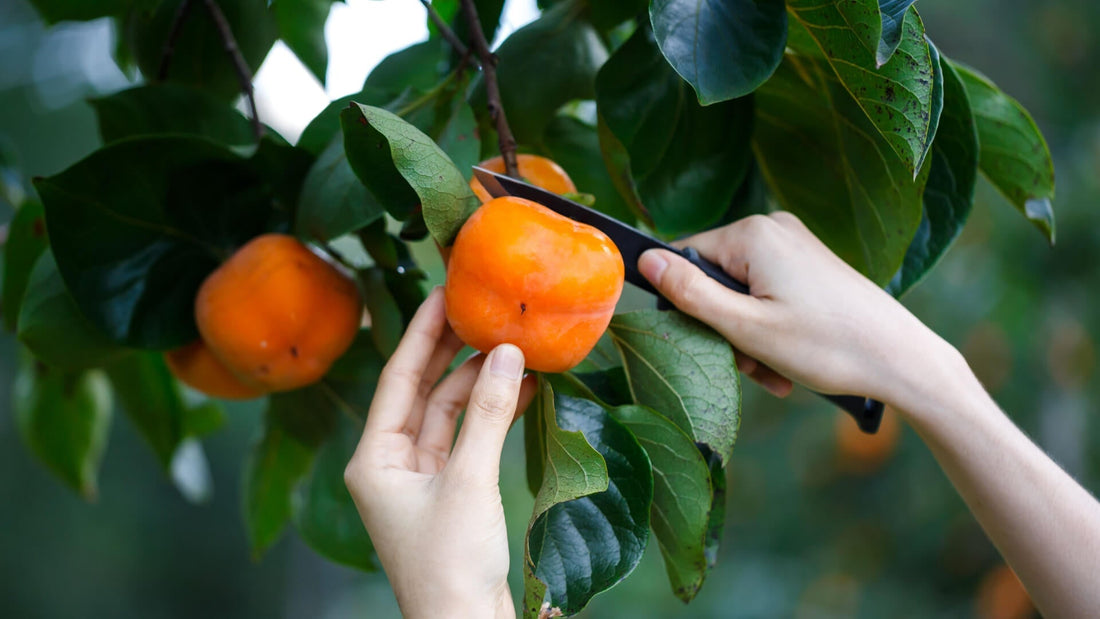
x=632, y=243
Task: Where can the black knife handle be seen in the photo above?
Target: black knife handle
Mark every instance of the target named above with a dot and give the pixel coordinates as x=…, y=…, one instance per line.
x=866, y=411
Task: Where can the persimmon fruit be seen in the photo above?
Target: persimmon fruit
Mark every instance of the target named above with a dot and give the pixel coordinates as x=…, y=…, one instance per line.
x=196, y=366
x=858, y=452
x=276, y=314
x=522, y=274
x=534, y=169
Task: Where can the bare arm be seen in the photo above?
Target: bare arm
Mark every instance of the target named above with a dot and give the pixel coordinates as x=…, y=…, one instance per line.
x=814, y=319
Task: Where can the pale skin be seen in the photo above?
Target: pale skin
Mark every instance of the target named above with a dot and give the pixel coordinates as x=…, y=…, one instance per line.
x=811, y=319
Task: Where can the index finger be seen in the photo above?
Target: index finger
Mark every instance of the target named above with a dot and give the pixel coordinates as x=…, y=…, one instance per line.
x=400, y=379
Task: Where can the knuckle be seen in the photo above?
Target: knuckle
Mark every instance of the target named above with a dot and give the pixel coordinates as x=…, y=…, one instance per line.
x=494, y=405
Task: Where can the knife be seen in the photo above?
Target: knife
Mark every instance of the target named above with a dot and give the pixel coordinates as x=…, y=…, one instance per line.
x=631, y=243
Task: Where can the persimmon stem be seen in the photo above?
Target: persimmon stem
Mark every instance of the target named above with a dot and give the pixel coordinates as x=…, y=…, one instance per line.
x=445, y=30
x=182, y=11
x=492, y=89
x=244, y=74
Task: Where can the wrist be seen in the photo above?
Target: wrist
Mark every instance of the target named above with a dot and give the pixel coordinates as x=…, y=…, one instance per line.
x=456, y=603
x=930, y=383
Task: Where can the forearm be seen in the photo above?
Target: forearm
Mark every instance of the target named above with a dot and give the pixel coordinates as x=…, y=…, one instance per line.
x=1046, y=526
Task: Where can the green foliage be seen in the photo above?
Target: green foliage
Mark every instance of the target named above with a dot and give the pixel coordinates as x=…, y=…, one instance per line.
x=679, y=115
x=724, y=48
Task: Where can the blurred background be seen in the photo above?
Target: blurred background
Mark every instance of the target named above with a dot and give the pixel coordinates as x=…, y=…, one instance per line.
x=822, y=522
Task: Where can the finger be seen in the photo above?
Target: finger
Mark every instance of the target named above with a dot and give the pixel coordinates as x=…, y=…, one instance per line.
x=693, y=292
x=446, y=349
x=490, y=413
x=778, y=385
x=446, y=404
x=745, y=364
x=401, y=379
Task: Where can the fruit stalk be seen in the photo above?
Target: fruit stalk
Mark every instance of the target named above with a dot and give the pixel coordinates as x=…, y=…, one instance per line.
x=492, y=88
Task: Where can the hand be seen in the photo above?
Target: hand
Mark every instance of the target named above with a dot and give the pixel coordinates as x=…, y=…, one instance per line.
x=434, y=513
x=810, y=317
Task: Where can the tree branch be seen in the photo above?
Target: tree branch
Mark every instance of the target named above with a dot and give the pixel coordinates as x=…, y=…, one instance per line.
x=244, y=74
x=445, y=30
x=173, y=34
x=492, y=88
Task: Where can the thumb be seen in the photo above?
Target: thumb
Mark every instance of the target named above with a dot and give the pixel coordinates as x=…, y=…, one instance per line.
x=489, y=414
x=694, y=293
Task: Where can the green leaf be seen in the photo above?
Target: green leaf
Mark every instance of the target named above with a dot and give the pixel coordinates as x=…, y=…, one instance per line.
x=53, y=328
x=64, y=418
x=324, y=127
x=26, y=242
x=893, y=19
x=301, y=25
x=387, y=325
x=53, y=11
x=417, y=67
x=824, y=161
x=199, y=58
x=1014, y=156
x=591, y=518
x=151, y=399
x=678, y=164
x=323, y=511
x=400, y=164
x=717, y=519
x=949, y=194
x=607, y=14
x=544, y=65
x=333, y=201
x=275, y=464
x=610, y=386
x=451, y=123
x=203, y=420
x=682, y=496
x=284, y=168
x=724, y=48
x=170, y=108
x=896, y=97
x=137, y=225
x=575, y=146
x=682, y=369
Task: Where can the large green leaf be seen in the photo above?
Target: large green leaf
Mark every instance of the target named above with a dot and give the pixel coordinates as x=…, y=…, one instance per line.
x=402, y=166
x=301, y=26
x=322, y=509
x=52, y=327
x=682, y=496
x=25, y=243
x=682, y=369
x=64, y=418
x=824, y=161
x=949, y=194
x=277, y=461
x=200, y=57
x=575, y=146
x=724, y=48
x=324, y=127
x=544, y=65
x=591, y=519
x=170, y=108
x=893, y=19
x=138, y=225
x=897, y=96
x=417, y=67
x=151, y=399
x=1014, y=155
x=333, y=201
x=676, y=163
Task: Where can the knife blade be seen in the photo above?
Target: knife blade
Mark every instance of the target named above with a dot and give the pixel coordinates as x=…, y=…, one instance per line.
x=631, y=243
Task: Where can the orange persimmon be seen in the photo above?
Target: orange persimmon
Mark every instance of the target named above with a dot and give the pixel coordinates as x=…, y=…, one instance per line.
x=197, y=367
x=537, y=170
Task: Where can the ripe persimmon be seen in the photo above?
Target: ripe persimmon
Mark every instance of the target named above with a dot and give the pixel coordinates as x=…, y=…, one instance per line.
x=1001, y=595
x=277, y=314
x=522, y=274
x=197, y=367
x=537, y=170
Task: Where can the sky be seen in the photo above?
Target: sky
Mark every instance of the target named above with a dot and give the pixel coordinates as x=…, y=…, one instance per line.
x=360, y=34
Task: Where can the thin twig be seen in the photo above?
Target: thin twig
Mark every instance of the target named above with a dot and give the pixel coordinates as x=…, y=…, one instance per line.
x=244, y=75
x=492, y=88
x=173, y=34
x=445, y=30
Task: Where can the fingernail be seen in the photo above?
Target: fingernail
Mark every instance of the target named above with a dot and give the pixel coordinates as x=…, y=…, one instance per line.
x=507, y=362
x=652, y=264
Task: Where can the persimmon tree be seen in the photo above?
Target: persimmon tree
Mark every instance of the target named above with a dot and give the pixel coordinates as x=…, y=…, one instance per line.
x=674, y=116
